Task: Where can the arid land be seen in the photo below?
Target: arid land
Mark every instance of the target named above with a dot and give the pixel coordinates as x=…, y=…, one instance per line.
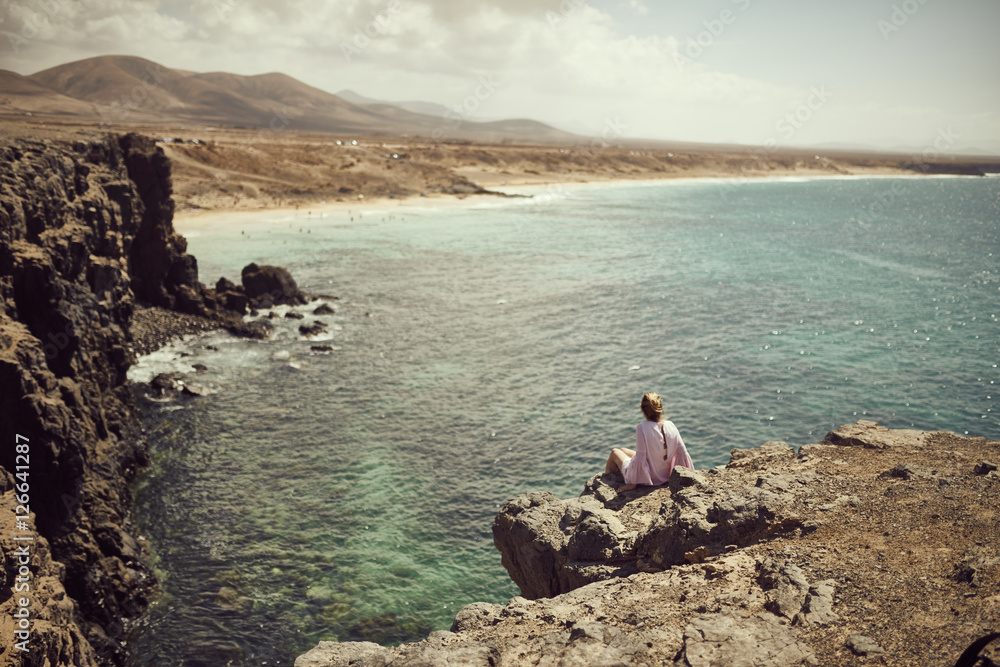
x=225, y=169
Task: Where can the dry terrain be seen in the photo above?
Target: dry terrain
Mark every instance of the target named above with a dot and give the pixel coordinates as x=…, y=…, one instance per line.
x=222, y=169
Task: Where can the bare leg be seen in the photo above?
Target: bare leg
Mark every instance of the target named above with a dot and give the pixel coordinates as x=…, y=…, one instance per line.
x=616, y=459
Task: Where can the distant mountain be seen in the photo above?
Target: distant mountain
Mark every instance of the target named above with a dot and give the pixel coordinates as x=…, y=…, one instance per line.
x=22, y=95
x=427, y=108
x=127, y=89
x=989, y=148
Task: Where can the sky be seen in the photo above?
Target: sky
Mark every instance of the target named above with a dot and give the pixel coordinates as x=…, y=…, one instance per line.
x=889, y=74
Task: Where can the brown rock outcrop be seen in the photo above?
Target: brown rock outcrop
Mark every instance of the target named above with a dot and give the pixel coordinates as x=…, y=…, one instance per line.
x=552, y=546
x=781, y=559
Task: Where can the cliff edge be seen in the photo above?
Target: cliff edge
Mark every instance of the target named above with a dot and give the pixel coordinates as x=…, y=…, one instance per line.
x=874, y=546
x=86, y=232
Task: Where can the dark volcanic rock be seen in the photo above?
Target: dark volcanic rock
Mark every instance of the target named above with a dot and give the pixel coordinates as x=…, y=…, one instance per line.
x=907, y=471
x=163, y=385
x=324, y=309
x=313, y=329
x=85, y=230
x=268, y=286
x=230, y=296
x=86, y=235
x=258, y=329
x=984, y=468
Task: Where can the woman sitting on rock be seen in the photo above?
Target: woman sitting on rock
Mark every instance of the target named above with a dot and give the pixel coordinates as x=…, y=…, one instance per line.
x=658, y=448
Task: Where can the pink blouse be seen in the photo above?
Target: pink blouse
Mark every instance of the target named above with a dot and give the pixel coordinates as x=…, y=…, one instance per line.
x=649, y=466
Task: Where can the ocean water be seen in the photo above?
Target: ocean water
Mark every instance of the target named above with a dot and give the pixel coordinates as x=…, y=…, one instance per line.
x=485, y=352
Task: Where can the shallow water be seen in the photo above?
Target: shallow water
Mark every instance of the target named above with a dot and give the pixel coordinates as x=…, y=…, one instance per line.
x=486, y=352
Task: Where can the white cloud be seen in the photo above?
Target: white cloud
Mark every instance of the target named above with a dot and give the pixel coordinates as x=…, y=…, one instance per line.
x=565, y=63
x=639, y=7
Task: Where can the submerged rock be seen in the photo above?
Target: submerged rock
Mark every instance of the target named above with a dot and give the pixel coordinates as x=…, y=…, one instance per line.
x=164, y=385
x=313, y=329
x=196, y=390
x=324, y=309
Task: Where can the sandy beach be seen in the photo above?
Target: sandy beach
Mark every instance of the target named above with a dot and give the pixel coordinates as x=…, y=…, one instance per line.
x=221, y=172
x=307, y=176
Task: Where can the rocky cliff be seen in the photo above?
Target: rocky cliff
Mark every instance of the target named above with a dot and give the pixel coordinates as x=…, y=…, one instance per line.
x=86, y=233
x=873, y=545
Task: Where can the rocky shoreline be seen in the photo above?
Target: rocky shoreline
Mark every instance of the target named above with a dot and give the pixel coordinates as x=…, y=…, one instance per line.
x=873, y=546
x=153, y=327
x=91, y=273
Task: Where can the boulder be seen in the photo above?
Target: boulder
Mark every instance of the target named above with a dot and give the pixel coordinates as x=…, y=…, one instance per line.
x=267, y=286
x=984, y=468
x=163, y=385
x=258, y=329
x=863, y=645
x=324, y=309
x=231, y=296
x=785, y=586
x=975, y=565
x=552, y=546
x=313, y=329
x=196, y=390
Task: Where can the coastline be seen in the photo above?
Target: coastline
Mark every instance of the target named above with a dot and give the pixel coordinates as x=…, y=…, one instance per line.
x=509, y=193
x=192, y=220
x=112, y=448
x=98, y=245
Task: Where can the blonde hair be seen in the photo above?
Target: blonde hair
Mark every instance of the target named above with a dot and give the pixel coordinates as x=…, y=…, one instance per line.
x=652, y=406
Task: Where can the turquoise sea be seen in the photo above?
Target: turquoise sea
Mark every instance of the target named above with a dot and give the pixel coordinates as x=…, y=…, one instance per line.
x=488, y=351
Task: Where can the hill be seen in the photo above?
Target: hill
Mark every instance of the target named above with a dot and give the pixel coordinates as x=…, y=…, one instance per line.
x=129, y=90
x=20, y=95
